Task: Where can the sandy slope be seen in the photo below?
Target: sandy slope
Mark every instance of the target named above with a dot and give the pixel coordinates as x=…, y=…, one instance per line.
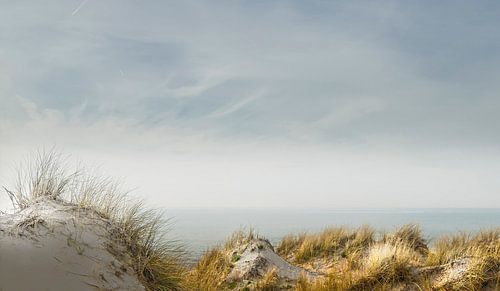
x=257, y=257
x=55, y=246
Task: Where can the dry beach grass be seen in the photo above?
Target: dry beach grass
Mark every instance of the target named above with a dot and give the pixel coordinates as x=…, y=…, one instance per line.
x=337, y=258
x=156, y=260
x=355, y=259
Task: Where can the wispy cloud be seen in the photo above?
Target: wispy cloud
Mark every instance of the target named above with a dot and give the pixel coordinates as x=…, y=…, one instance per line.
x=385, y=76
x=181, y=62
x=79, y=7
x=235, y=106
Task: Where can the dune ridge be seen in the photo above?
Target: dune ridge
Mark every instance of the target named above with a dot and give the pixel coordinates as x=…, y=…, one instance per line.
x=71, y=230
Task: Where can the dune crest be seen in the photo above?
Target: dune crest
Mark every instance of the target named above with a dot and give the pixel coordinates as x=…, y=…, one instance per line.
x=52, y=245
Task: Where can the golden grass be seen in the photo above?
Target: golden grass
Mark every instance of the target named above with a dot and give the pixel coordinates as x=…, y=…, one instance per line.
x=358, y=260
x=290, y=243
x=210, y=271
x=482, y=269
x=332, y=241
x=42, y=175
x=449, y=248
x=332, y=282
x=156, y=260
x=394, y=260
x=383, y=266
x=483, y=251
x=269, y=282
x=388, y=263
x=409, y=234
x=214, y=265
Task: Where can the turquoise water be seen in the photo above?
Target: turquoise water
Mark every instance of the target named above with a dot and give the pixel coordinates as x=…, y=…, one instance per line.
x=200, y=229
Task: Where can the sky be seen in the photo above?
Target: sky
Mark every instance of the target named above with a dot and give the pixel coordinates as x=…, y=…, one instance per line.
x=260, y=104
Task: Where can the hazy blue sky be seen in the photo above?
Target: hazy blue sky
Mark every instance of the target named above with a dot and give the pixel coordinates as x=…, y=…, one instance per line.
x=261, y=103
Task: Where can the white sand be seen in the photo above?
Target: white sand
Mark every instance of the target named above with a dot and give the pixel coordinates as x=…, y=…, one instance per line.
x=55, y=246
x=257, y=257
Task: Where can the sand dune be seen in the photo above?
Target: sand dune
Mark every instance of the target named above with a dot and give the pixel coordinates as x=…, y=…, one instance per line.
x=52, y=245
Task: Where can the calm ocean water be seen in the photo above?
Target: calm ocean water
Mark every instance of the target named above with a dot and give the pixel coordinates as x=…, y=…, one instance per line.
x=200, y=229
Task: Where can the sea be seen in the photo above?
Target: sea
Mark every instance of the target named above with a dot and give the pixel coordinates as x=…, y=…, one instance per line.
x=200, y=229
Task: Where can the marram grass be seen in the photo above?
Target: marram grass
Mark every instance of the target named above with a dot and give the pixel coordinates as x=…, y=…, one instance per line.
x=360, y=260
x=157, y=261
x=346, y=258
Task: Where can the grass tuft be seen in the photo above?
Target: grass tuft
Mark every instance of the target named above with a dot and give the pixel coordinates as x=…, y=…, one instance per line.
x=332, y=241
x=214, y=266
x=387, y=263
x=481, y=249
x=156, y=260
x=401, y=260
x=268, y=282
x=351, y=259
x=211, y=270
x=411, y=235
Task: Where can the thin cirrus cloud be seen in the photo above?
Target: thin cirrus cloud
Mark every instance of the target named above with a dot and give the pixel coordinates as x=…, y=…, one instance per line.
x=391, y=79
